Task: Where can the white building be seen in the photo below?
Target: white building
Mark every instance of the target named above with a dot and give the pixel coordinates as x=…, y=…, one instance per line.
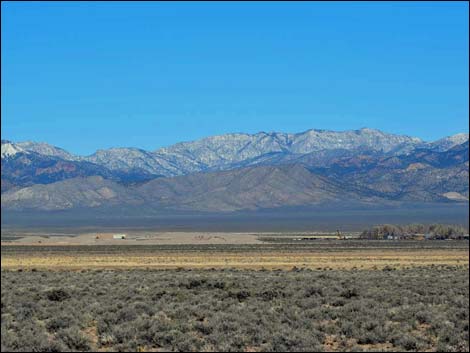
x=119, y=236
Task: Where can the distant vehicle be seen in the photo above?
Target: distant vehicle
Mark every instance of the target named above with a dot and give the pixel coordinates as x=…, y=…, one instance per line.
x=119, y=236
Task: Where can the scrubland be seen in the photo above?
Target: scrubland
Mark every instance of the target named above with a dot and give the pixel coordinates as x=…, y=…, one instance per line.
x=409, y=296
x=415, y=309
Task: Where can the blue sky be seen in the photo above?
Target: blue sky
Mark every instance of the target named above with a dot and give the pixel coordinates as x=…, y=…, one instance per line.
x=85, y=76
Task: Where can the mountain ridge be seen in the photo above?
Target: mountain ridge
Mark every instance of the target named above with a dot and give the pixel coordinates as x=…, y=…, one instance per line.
x=240, y=171
x=220, y=151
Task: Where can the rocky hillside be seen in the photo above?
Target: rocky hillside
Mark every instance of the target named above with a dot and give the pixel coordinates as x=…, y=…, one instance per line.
x=245, y=188
x=22, y=168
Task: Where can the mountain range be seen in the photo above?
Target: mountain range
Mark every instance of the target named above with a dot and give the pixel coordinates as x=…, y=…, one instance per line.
x=240, y=172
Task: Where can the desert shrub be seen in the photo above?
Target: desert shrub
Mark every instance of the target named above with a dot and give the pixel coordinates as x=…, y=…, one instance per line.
x=123, y=333
x=32, y=337
x=218, y=284
x=188, y=343
x=125, y=315
x=270, y=294
x=240, y=295
x=158, y=295
x=423, y=316
x=350, y=293
x=407, y=342
x=194, y=283
x=313, y=291
x=60, y=322
x=57, y=295
x=74, y=339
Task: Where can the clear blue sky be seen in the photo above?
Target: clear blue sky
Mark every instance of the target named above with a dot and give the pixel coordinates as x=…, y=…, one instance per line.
x=85, y=76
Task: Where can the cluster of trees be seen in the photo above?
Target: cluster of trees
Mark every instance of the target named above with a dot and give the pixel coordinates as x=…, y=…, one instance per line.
x=433, y=231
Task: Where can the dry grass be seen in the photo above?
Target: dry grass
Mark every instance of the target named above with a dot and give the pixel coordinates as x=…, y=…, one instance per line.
x=362, y=259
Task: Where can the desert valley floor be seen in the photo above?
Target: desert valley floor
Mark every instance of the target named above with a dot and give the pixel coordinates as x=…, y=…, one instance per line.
x=220, y=291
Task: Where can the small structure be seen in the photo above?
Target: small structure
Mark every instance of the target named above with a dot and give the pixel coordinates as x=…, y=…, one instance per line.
x=339, y=235
x=119, y=236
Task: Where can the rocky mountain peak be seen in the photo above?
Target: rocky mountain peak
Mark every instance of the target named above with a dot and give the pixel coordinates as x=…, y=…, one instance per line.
x=46, y=149
x=449, y=142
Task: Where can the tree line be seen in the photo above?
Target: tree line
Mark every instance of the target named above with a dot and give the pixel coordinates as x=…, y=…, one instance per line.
x=432, y=231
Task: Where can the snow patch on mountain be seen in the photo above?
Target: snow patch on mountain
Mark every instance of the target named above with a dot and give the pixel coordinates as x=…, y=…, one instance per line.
x=9, y=149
